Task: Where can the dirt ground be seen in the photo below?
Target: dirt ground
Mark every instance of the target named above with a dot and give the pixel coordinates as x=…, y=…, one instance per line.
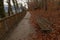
x=53, y=17
x=28, y=29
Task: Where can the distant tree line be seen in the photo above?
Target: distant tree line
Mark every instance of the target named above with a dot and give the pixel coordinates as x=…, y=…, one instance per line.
x=43, y=4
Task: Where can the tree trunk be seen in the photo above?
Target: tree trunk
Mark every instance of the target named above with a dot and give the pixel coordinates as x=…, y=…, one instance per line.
x=9, y=8
x=14, y=5
x=17, y=6
x=28, y=4
x=1, y=9
x=46, y=5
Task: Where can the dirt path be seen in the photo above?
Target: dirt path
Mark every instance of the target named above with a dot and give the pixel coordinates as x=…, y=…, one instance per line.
x=23, y=29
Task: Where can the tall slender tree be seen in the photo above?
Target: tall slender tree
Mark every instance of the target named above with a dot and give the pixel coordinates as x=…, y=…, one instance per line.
x=1, y=9
x=10, y=11
x=45, y=5
x=14, y=3
x=17, y=6
x=28, y=3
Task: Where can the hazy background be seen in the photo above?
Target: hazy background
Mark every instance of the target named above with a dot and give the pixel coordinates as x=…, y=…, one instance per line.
x=19, y=1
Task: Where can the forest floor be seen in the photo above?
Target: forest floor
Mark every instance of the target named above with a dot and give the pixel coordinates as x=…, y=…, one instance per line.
x=27, y=29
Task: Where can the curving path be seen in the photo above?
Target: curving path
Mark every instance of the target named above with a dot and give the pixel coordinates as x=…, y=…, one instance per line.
x=22, y=31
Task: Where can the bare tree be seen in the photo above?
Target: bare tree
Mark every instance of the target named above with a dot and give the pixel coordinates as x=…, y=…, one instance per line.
x=14, y=3
x=1, y=9
x=17, y=6
x=45, y=4
x=10, y=11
